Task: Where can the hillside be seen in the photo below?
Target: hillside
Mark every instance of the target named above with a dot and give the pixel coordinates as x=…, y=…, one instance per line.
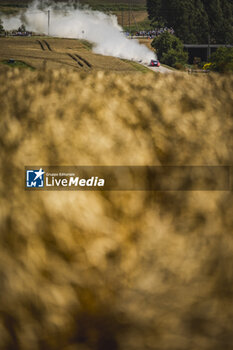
x=42, y=52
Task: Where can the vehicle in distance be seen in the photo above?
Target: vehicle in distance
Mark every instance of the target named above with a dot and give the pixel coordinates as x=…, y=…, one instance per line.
x=154, y=63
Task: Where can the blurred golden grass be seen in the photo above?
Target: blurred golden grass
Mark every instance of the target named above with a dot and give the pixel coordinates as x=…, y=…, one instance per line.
x=114, y=270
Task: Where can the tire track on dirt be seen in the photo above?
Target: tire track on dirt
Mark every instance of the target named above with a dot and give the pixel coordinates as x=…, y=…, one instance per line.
x=41, y=45
x=42, y=58
x=85, y=61
x=75, y=59
x=47, y=44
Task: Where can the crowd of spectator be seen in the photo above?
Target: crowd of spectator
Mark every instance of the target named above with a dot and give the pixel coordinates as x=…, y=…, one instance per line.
x=19, y=33
x=155, y=32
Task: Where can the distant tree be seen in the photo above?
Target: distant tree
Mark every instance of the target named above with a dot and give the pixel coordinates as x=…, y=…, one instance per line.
x=187, y=17
x=227, y=10
x=169, y=49
x=2, y=31
x=215, y=19
x=164, y=42
x=22, y=28
x=175, y=58
x=198, y=28
x=153, y=8
x=222, y=60
x=195, y=20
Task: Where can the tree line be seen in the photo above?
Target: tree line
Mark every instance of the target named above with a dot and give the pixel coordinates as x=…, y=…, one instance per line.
x=195, y=21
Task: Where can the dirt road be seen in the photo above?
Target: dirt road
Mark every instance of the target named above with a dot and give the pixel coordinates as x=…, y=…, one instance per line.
x=161, y=69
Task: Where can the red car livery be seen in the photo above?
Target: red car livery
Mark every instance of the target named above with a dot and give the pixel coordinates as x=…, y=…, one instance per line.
x=155, y=63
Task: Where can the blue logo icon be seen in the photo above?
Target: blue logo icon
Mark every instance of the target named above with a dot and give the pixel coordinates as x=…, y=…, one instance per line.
x=35, y=178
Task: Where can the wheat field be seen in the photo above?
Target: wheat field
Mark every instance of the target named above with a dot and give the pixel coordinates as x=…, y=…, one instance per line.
x=114, y=270
x=55, y=53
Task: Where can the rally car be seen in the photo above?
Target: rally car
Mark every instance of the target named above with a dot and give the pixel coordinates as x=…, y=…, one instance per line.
x=154, y=63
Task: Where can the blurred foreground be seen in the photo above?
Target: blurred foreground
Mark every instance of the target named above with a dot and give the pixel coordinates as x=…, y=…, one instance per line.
x=123, y=270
